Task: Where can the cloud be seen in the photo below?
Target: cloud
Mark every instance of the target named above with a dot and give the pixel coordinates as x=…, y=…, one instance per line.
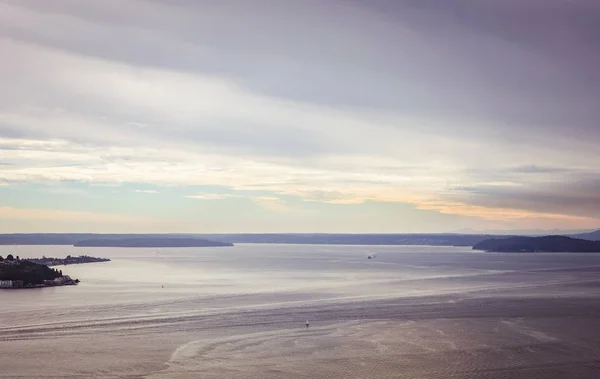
x=147, y=191
x=327, y=182
x=568, y=197
x=331, y=197
x=534, y=169
x=272, y=204
x=213, y=196
x=453, y=106
x=453, y=58
x=58, y=215
x=437, y=49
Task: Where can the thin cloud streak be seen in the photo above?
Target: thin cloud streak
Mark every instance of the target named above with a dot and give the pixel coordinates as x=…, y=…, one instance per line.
x=59, y=215
x=213, y=196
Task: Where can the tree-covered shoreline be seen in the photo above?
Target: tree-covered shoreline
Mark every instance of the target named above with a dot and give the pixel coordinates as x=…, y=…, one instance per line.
x=28, y=273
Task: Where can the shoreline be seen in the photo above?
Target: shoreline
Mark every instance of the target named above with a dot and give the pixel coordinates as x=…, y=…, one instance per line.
x=37, y=272
x=37, y=286
x=64, y=282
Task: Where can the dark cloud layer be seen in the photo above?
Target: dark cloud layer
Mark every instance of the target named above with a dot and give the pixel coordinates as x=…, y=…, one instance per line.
x=577, y=196
x=511, y=67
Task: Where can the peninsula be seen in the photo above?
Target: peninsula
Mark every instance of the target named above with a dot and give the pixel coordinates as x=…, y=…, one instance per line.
x=69, y=260
x=152, y=242
x=17, y=273
x=549, y=244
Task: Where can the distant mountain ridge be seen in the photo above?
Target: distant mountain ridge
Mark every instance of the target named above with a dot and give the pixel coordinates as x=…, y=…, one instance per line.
x=526, y=232
x=291, y=238
x=592, y=236
x=430, y=239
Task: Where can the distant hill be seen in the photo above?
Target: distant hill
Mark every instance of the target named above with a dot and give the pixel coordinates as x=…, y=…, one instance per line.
x=525, y=232
x=592, y=236
x=42, y=239
x=554, y=244
x=74, y=238
x=152, y=242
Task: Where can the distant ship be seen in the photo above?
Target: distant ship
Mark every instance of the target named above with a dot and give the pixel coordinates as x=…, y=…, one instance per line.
x=372, y=256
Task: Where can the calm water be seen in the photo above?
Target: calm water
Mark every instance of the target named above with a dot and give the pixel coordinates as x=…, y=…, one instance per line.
x=412, y=312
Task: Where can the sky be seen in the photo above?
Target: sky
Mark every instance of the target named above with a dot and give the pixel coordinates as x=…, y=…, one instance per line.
x=375, y=116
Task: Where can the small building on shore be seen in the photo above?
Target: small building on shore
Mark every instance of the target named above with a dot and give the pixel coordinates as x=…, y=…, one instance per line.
x=11, y=284
x=63, y=280
x=6, y=283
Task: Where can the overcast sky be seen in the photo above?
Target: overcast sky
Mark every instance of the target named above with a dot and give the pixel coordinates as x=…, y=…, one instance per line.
x=299, y=115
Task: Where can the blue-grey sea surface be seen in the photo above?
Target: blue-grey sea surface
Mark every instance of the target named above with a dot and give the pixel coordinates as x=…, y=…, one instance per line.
x=240, y=312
